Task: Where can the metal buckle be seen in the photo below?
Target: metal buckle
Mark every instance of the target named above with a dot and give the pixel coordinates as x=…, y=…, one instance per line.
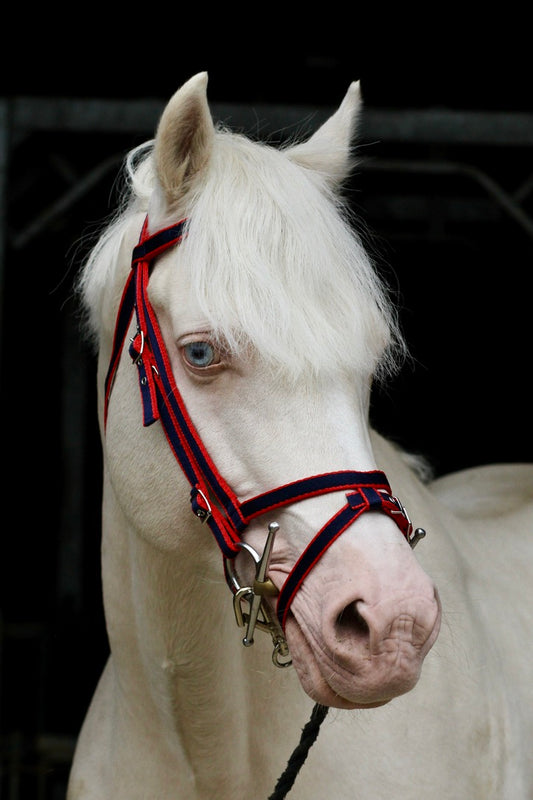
x=258, y=613
x=138, y=358
x=415, y=537
x=412, y=536
x=203, y=514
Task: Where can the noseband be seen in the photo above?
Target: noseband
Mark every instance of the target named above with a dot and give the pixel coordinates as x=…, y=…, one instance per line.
x=212, y=500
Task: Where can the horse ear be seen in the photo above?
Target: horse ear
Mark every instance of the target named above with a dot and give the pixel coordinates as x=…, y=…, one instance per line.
x=329, y=149
x=184, y=138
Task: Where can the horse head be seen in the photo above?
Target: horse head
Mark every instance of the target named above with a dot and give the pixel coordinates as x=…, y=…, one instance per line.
x=273, y=324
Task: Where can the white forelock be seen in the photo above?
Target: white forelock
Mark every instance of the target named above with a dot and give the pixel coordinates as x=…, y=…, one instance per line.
x=274, y=260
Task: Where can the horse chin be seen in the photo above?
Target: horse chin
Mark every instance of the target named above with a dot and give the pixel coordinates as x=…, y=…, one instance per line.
x=330, y=684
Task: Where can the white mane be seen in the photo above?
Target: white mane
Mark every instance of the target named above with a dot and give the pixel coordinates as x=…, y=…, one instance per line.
x=273, y=258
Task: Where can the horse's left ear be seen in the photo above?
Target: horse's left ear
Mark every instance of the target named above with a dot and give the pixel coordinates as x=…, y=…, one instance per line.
x=329, y=150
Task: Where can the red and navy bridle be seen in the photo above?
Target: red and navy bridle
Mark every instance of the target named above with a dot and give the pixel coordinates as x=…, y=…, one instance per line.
x=212, y=500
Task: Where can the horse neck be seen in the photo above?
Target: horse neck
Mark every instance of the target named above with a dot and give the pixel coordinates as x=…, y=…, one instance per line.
x=181, y=672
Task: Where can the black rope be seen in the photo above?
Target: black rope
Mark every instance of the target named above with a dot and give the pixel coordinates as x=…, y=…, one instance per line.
x=296, y=761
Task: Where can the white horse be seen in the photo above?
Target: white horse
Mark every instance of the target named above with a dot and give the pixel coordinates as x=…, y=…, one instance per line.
x=271, y=324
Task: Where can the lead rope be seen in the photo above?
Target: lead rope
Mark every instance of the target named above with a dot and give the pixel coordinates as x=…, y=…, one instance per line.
x=312, y=729
x=297, y=759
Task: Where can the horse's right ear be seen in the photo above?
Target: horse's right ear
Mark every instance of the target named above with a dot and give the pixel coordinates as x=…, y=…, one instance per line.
x=184, y=139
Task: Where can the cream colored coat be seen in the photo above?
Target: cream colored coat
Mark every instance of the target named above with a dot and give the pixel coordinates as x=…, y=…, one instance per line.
x=182, y=709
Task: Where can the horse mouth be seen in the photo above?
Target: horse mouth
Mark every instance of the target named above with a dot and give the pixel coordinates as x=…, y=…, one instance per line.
x=363, y=682
x=318, y=683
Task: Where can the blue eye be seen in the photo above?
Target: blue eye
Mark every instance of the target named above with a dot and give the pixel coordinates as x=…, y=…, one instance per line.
x=199, y=354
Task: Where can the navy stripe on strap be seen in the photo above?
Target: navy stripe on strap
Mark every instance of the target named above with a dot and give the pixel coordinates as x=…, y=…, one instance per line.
x=171, y=399
x=309, y=487
x=314, y=551
x=160, y=241
x=121, y=329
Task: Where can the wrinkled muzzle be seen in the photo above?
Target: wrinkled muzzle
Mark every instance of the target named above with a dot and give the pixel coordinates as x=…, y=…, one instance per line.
x=357, y=623
x=360, y=627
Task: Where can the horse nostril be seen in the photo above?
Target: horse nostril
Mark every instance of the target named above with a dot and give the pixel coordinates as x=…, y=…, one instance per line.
x=351, y=622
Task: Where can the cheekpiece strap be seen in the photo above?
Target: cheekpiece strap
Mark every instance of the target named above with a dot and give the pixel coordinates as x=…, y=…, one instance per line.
x=143, y=254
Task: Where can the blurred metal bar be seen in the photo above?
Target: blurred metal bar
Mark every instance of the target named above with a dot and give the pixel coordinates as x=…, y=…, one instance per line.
x=437, y=126
x=65, y=202
x=502, y=198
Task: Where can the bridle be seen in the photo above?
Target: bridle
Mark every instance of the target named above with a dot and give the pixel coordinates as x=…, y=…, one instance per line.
x=212, y=499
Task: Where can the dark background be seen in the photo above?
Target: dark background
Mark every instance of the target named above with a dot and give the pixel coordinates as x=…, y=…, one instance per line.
x=443, y=186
